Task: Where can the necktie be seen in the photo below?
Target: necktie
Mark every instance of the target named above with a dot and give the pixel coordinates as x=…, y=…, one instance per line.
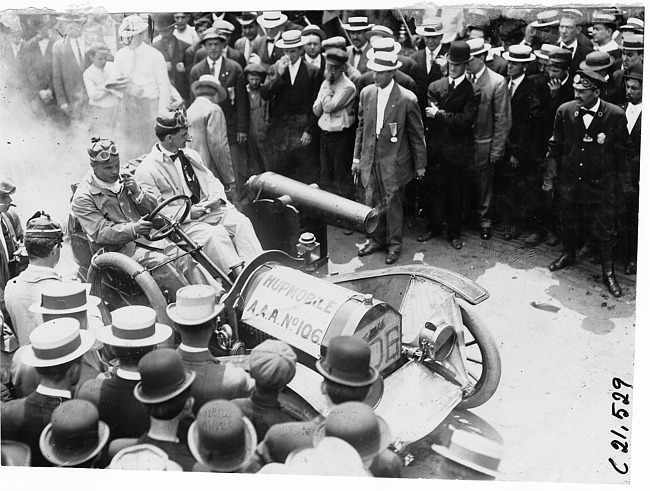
x=512, y=88
x=190, y=176
x=452, y=85
x=472, y=78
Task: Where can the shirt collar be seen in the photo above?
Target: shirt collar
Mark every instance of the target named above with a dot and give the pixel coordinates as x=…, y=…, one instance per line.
x=435, y=52
x=127, y=374
x=595, y=107
x=386, y=90
x=296, y=64
x=479, y=74
x=457, y=81
x=114, y=187
x=48, y=391
x=191, y=349
x=164, y=151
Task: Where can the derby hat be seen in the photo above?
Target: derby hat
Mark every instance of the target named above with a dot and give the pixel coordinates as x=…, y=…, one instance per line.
x=434, y=28
x=271, y=19
x=357, y=424
x=143, y=457
x=74, y=435
x=272, y=364
x=291, y=39
x=223, y=26
x=473, y=451
x=56, y=342
x=41, y=226
x=385, y=45
x=546, y=18
x=212, y=33
x=162, y=376
x=247, y=18
x=587, y=79
x=635, y=73
x=164, y=21
x=221, y=437
x=545, y=51
x=597, y=60
x=195, y=304
x=132, y=24
x=519, y=53
x=330, y=457
x=64, y=298
x=458, y=52
x=209, y=84
x=314, y=29
x=632, y=42
x=379, y=30
x=478, y=46
x=7, y=186
x=347, y=361
x=15, y=454
x=282, y=439
x=336, y=57
x=356, y=24
x=134, y=326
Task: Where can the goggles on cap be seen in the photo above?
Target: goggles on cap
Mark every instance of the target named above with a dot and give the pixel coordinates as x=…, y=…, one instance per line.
x=177, y=119
x=101, y=150
x=584, y=81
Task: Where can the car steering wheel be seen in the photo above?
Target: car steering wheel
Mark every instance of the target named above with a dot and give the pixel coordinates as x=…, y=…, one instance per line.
x=171, y=222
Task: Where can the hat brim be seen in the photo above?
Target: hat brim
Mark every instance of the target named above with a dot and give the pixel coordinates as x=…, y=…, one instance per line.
x=370, y=54
x=106, y=336
x=220, y=37
x=91, y=301
x=137, y=391
x=87, y=342
x=348, y=27
x=444, y=451
x=245, y=22
x=385, y=437
x=421, y=32
x=316, y=32
x=173, y=315
x=506, y=56
x=60, y=458
x=270, y=24
x=585, y=66
x=555, y=22
x=457, y=61
x=221, y=465
x=282, y=45
x=221, y=93
x=382, y=68
x=363, y=383
x=486, y=47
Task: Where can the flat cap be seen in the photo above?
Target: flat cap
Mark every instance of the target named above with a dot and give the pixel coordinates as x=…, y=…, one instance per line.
x=272, y=364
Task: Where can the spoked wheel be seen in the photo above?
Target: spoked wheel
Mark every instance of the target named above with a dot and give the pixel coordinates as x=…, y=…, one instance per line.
x=170, y=222
x=120, y=281
x=483, y=360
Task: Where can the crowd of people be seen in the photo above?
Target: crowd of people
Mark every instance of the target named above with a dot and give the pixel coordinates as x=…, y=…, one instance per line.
x=530, y=119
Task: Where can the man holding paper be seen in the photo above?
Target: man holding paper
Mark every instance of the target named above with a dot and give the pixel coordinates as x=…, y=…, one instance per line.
x=170, y=169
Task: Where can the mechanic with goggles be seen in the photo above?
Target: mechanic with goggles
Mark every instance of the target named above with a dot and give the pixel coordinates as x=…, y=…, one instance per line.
x=110, y=208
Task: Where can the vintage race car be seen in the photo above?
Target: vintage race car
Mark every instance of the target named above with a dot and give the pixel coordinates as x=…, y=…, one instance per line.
x=432, y=350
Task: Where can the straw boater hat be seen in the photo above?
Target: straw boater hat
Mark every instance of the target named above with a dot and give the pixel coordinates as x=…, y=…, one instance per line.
x=57, y=342
x=208, y=85
x=143, y=457
x=597, y=60
x=132, y=327
x=162, y=377
x=634, y=25
x=519, y=53
x=356, y=24
x=478, y=46
x=75, y=434
x=546, y=18
x=64, y=298
x=271, y=19
x=7, y=186
x=473, y=451
x=545, y=51
x=291, y=39
x=383, y=62
x=434, y=28
x=221, y=437
x=632, y=42
x=195, y=304
x=385, y=45
x=379, y=30
x=604, y=18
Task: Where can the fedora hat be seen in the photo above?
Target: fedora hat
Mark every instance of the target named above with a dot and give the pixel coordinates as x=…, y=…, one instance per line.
x=221, y=437
x=473, y=451
x=545, y=51
x=271, y=19
x=272, y=364
x=478, y=46
x=74, y=435
x=212, y=33
x=357, y=424
x=291, y=39
x=330, y=457
x=195, y=304
x=386, y=45
x=143, y=457
x=57, y=342
x=434, y=28
x=15, y=454
x=597, y=60
x=519, y=53
x=132, y=327
x=635, y=73
x=458, y=52
x=356, y=24
x=131, y=25
x=379, y=30
x=162, y=376
x=546, y=18
x=632, y=42
x=64, y=298
x=347, y=360
x=164, y=21
x=247, y=18
x=314, y=29
x=211, y=83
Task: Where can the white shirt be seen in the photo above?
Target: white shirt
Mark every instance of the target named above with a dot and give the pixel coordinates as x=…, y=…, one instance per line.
x=571, y=46
x=313, y=61
x=632, y=113
x=48, y=391
x=215, y=66
x=293, y=71
x=382, y=100
x=270, y=43
x=189, y=35
x=588, y=118
x=431, y=56
x=610, y=46
x=95, y=81
x=78, y=48
x=42, y=44
x=515, y=83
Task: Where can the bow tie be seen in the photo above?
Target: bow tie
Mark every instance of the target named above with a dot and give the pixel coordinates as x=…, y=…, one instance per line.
x=564, y=46
x=357, y=51
x=270, y=40
x=176, y=155
x=584, y=112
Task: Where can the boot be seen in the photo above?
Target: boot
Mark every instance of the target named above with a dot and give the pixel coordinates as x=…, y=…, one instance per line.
x=607, y=263
x=565, y=260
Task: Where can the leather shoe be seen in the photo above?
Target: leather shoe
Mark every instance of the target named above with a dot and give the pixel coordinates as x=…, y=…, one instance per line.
x=511, y=233
x=630, y=268
x=392, y=257
x=552, y=239
x=428, y=235
x=562, y=262
x=456, y=244
x=486, y=233
x=612, y=285
x=369, y=248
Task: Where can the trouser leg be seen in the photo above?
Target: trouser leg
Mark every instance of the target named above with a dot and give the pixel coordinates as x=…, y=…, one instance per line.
x=455, y=178
x=216, y=243
x=374, y=199
x=484, y=190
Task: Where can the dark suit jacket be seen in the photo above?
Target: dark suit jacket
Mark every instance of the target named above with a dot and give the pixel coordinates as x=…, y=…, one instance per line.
x=498, y=65
x=635, y=137
x=321, y=70
x=177, y=54
x=614, y=91
x=579, y=56
x=231, y=54
x=288, y=101
x=237, y=113
x=522, y=128
x=118, y=407
x=396, y=160
x=595, y=161
x=363, y=61
x=420, y=58
x=23, y=420
x=67, y=77
x=450, y=133
x=37, y=67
